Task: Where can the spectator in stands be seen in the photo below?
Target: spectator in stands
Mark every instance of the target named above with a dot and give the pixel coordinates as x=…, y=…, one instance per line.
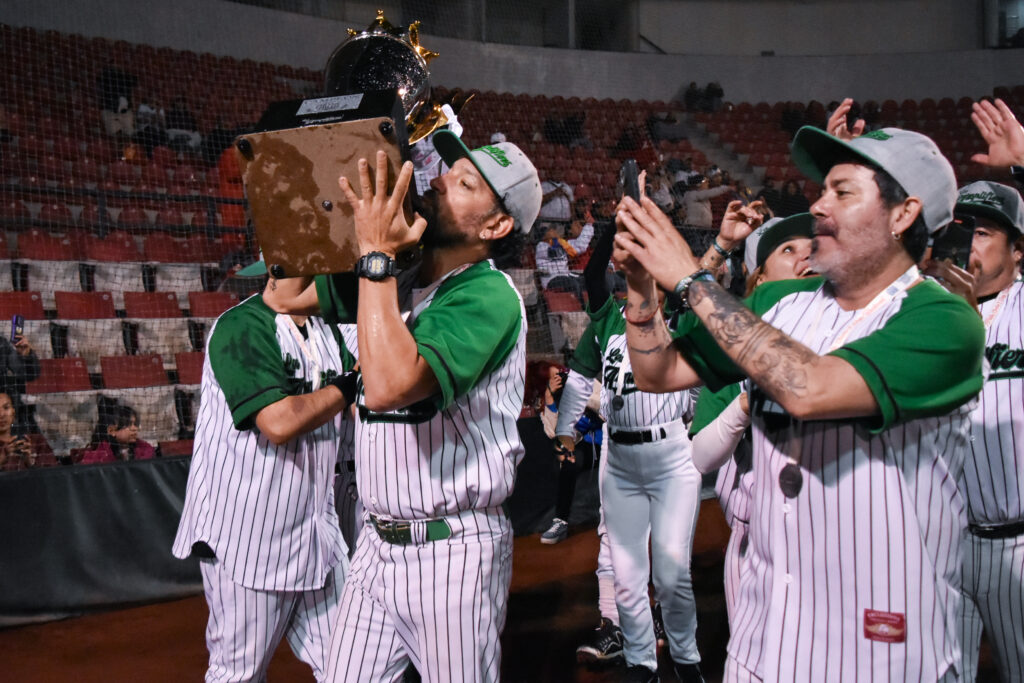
x=115, y=100
x=553, y=254
x=150, y=124
x=116, y=436
x=692, y=97
x=792, y=200
x=713, y=95
x=556, y=204
x=20, y=450
x=770, y=194
x=698, y=229
x=182, y=129
x=743, y=193
x=20, y=365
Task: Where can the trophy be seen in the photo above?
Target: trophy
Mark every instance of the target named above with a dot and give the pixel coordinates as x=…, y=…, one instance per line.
x=376, y=96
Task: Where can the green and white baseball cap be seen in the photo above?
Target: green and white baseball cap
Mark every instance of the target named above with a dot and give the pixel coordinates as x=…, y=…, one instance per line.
x=510, y=174
x=995, y=201
x=912, y=159
x=760, y=244
x=254, y=269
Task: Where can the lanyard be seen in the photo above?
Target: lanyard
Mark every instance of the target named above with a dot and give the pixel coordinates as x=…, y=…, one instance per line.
x=1003, y=295
x=304, y=347
x=886, y=296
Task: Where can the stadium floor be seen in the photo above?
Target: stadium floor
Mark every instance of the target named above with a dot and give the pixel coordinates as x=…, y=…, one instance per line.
x=552, y=608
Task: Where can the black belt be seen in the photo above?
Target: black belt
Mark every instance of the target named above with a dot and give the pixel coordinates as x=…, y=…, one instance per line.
x=1005, y=530
x=399, y=531
x=643, y=436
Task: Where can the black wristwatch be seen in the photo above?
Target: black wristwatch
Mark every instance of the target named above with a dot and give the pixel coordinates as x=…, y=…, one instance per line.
x=375, y=266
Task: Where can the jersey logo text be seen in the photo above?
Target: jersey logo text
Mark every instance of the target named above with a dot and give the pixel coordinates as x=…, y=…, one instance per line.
x=1006, y=363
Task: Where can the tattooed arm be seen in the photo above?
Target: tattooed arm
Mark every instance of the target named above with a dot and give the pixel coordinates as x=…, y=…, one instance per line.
x=808, y=386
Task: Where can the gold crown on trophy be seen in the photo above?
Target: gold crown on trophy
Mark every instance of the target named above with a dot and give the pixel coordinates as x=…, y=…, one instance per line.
x=388, y=57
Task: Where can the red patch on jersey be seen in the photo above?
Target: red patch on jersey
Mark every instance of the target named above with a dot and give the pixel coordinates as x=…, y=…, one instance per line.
x=885, y=627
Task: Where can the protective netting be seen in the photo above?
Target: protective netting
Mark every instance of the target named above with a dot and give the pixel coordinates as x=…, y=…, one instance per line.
x=123, y=217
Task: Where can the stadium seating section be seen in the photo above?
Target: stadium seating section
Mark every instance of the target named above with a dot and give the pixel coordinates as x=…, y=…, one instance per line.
x=118, y=258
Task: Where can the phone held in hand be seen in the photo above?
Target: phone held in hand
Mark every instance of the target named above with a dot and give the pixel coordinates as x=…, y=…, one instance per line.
x=629, y=179
x=17, y=327
x=953, y=242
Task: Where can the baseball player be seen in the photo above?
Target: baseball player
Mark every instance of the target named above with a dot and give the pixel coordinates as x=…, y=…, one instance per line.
x=437, y=445
x=346, y=493
x=993, y=478
x=862, y=383
x=778, y=250
x=650, y=490
x=259, y=504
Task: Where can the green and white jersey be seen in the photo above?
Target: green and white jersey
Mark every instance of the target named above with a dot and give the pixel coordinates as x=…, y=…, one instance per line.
x=993, y=481
x=457, y=451
x=266, y=511
x=602, y=352
x=856, y=546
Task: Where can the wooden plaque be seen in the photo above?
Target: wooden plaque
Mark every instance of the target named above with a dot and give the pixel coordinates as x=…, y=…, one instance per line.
x=302, y=222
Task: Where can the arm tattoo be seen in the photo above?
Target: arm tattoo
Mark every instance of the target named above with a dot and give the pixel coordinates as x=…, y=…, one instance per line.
x=774, y=361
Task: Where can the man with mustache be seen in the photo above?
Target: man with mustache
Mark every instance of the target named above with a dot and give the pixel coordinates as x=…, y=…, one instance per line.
x=861, y=390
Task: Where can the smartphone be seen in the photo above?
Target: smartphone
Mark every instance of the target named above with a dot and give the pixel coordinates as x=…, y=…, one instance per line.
x=17, y=327
x=953, y=242
x=629, y=179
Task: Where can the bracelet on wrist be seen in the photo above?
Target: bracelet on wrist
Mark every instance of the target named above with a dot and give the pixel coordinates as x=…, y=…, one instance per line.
x=640, y=321
x=726, y=253
x=682, y=288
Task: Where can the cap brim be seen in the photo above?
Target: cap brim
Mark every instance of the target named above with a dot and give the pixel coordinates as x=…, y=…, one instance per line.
x=252, y=270
x=452, y=148
x=815, y=152
x=988, y=212
x=797, y=225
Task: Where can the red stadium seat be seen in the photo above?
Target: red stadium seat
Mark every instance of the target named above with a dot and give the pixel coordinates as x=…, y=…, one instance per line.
x=190, y=366
x=39, y=245
x=84, y=305
x=151, y=305
x=170, y=449
x=126, y=372
x=27, y=304
x=60, y=375
x=118, y=246
x=210, y=304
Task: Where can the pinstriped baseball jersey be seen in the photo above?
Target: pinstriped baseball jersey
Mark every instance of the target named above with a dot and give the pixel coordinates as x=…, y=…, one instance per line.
x=266, y=511
x=993, y=481
x=855, y=567
x=457, y=451
x=602, y=351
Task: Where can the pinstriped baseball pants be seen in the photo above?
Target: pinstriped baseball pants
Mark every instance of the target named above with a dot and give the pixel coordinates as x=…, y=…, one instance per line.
x=440, y=605
x=246, y=625
x=993, y=599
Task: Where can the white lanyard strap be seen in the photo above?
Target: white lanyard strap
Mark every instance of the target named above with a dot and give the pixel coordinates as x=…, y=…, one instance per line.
x=304, y=347
x=886, y=296
x=990, y=318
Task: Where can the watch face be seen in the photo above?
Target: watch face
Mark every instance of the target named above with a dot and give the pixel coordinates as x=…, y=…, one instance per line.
x=377, y=265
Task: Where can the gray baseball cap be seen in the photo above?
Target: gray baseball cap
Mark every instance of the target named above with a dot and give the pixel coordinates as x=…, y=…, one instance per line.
x=995, y=201
x=912, y=159
x=509, y=173
x=762, y=242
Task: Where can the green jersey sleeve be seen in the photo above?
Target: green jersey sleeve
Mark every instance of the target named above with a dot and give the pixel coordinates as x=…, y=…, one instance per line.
x=587, y=358
x=925, y=361
x=468, y=329
x=246, y=360
x=710, y=405
x=338, y=296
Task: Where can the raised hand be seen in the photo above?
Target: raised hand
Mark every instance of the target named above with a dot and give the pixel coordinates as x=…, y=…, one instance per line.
x=652, y=241
x=739, y=221
x=379, y=218
x=837, y=122
x=1001, y=131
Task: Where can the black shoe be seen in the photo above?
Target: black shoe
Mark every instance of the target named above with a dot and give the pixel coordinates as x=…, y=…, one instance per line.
x=659, y=626
x=688, y=673
x=639, y=674
x=605, y=646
